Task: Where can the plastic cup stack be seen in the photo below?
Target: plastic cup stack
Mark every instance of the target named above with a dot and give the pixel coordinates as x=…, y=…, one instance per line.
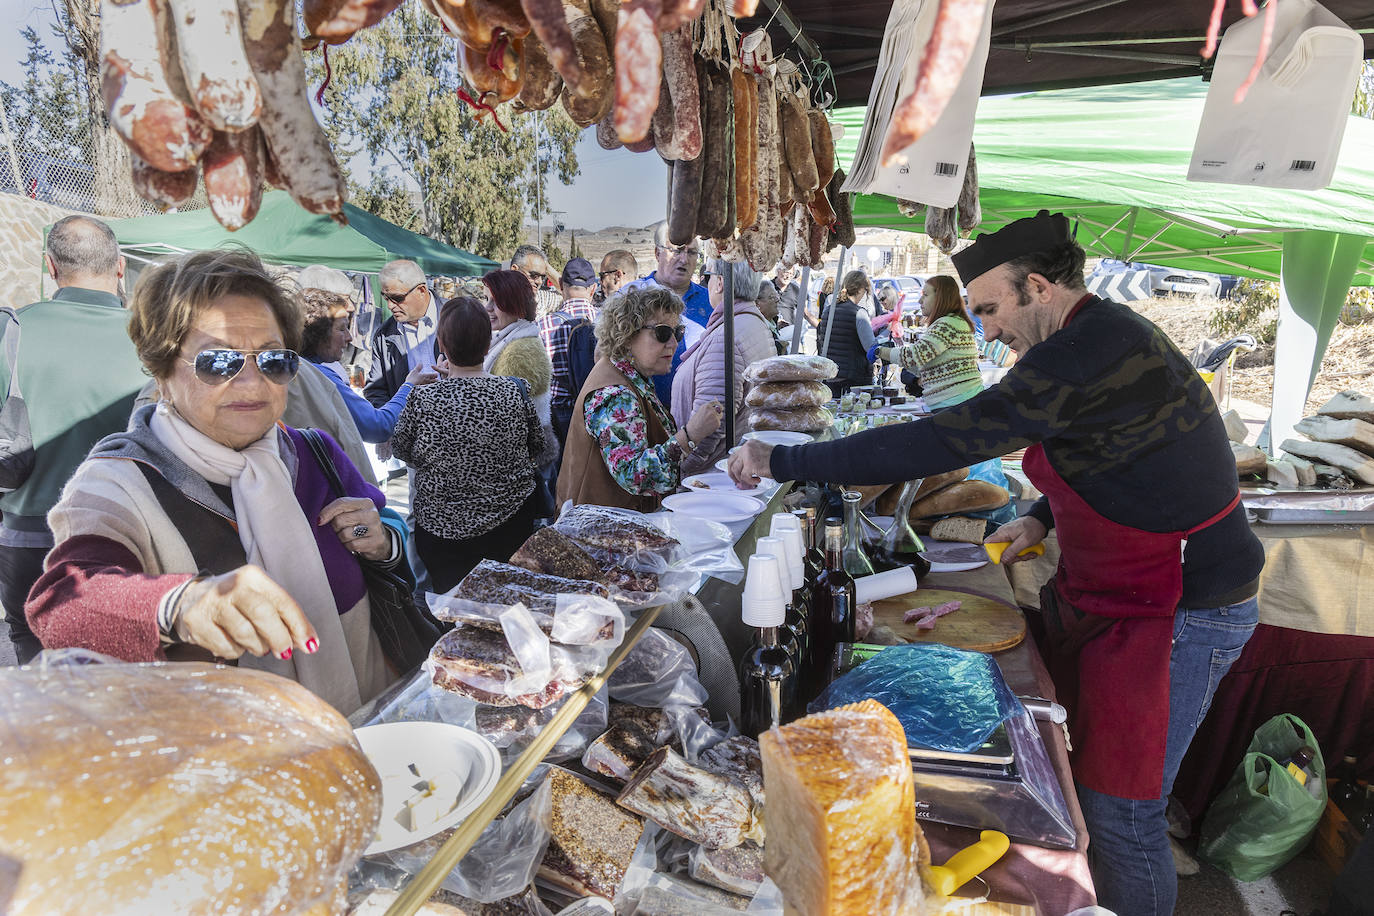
x=776, y=548
x=787, y=527
x=764, y=603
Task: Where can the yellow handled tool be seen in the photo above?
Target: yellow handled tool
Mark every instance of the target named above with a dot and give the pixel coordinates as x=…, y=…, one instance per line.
x=995, y=550
x=966, y=863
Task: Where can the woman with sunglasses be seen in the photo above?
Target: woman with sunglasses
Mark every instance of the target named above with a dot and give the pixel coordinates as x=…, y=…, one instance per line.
x=623, y=448
x=208, y=529
x=700, y=376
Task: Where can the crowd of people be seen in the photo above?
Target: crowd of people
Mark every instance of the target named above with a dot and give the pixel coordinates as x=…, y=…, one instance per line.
x=520, y=392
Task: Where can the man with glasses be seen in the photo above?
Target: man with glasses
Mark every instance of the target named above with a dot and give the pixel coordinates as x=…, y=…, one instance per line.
x=618, y=268
x=533, y=263
x=676, y=264
x=405, y=341
x=78, y=374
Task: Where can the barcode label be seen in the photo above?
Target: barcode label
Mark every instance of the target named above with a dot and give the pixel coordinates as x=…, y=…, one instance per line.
x=947, y=169
x=1303, y=165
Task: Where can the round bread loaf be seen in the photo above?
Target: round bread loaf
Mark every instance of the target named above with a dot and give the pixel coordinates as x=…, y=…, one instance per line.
x=176, y=788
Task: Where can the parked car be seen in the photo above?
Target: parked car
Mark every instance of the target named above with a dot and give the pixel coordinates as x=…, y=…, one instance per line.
x=1165, y=281
x=908, y=290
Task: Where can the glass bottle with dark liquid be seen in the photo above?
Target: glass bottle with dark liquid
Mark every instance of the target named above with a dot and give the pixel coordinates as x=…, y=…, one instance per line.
x=814, y=550
x=900, y=545
x=834, y=598
x=767, y=674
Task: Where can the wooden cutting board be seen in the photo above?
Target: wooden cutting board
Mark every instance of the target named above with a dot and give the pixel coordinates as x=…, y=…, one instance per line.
x=982, y=623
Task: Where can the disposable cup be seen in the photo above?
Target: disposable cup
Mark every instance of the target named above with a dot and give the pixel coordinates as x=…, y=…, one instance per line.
x=764, y=602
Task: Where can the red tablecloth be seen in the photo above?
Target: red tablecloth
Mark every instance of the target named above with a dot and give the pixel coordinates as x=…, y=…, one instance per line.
x=1326, y=680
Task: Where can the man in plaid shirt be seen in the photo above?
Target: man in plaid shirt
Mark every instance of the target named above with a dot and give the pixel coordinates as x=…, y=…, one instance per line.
x=578, y=282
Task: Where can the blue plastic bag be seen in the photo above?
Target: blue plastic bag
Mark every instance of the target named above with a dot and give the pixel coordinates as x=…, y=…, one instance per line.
x=946, y=699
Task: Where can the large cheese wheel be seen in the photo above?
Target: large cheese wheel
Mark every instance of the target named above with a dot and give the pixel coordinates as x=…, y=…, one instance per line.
x=841, y=813
x=177, y=788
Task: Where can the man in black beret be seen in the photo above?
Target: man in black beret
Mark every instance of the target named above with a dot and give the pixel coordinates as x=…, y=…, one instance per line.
x=1154, y=595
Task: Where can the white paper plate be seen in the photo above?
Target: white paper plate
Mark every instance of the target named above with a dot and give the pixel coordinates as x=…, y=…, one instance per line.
x=716, y=505
x=434, y=748
x=723, y=465
x=780, y=437
x=720, y=481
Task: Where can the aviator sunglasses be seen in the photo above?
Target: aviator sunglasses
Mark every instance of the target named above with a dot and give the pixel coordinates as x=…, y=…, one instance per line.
x=215, y=367
x=663, y=332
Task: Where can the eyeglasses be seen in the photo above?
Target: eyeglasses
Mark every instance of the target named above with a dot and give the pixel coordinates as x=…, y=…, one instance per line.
x=398, y=298
x=606, y=273
x=675, y=250
x=665, y=332
x=215, y=367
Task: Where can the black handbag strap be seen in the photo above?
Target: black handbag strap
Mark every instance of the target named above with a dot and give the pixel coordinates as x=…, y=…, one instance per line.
x=315, y=440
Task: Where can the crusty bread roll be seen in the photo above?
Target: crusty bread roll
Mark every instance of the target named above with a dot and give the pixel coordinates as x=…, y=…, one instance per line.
x=959, y=528
x=841, y=813
x=178, y=788
x=887, y=504
x=788, y=395
x=964, y=496
x=792, y=368
x=803, y=420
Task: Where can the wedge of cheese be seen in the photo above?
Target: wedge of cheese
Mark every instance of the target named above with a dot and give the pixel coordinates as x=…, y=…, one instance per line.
x=841, y=814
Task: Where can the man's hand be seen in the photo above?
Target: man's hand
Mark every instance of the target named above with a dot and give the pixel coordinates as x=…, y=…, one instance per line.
x=750, y=464
x=1022, y=534
x=358, y=526
x=243, y=611
x=422, y=375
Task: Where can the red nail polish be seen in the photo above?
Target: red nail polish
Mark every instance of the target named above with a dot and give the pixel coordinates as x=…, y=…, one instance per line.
x=286, y=654
x=311, y=645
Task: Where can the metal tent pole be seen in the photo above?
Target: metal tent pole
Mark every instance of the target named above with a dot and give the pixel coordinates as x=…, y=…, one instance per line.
x=729, y=279
x=830, y=318
x=799, y=314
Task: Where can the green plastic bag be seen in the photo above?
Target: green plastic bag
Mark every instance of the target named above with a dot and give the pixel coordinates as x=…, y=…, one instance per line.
x=1264, y=816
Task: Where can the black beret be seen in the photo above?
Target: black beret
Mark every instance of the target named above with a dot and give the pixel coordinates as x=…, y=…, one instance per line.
x=1025, y=236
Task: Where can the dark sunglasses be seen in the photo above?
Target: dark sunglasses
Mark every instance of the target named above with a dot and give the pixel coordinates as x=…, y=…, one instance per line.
x=606, y=273
x=665, y=332
x=215, y=367
x=398, y=298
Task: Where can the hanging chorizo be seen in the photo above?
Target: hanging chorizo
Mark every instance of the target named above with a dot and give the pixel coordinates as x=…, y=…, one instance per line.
x=638, y=68
x=746, y=103
x=233, y=177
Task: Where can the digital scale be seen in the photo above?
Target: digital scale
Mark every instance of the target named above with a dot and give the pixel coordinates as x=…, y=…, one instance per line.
x=1006, y=784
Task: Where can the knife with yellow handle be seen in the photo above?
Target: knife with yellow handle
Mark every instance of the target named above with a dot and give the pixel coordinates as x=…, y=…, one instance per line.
x=964, y=864
x=995, y=550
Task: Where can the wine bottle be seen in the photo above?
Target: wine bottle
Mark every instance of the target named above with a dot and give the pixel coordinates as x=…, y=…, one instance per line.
x=834, y=598
x=814, y=553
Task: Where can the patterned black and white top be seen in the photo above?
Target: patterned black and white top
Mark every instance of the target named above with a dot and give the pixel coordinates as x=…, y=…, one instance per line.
x=473, y=443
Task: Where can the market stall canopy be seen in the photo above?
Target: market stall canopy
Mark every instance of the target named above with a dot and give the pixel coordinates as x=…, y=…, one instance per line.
x=1116, y=159
x=283, y=233
x=1036, y=44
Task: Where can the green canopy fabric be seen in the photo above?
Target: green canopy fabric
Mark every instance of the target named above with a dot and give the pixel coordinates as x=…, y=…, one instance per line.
x=283, y=233
x=1115, y=158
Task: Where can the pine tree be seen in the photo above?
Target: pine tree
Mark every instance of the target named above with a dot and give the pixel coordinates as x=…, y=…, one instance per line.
x=574, y=249
x=418, y=156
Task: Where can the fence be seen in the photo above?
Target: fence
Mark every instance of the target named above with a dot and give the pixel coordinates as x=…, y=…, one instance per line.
x=55, y=157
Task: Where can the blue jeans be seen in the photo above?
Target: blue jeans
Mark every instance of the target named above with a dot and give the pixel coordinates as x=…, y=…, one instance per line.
x=1128, y=846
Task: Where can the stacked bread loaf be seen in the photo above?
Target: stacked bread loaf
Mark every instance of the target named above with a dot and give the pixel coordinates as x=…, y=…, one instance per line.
x=941, y=505
x=789, y=393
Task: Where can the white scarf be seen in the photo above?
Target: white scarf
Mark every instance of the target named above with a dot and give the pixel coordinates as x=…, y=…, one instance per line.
x=513, y=331
x=278, y=538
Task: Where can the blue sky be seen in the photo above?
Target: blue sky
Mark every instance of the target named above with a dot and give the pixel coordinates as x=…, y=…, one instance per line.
x=615, y=188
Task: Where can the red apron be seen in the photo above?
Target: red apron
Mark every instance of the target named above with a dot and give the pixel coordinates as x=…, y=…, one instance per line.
x=1109, y=617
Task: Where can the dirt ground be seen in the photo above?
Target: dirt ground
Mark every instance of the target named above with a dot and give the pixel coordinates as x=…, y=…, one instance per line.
x=1349, y=360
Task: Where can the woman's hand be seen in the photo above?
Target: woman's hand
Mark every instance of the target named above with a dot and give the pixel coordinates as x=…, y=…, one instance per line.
x=242, y=611
x=422, y=375
x=705, y=420
x=359, y=527
x=1023, y=534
